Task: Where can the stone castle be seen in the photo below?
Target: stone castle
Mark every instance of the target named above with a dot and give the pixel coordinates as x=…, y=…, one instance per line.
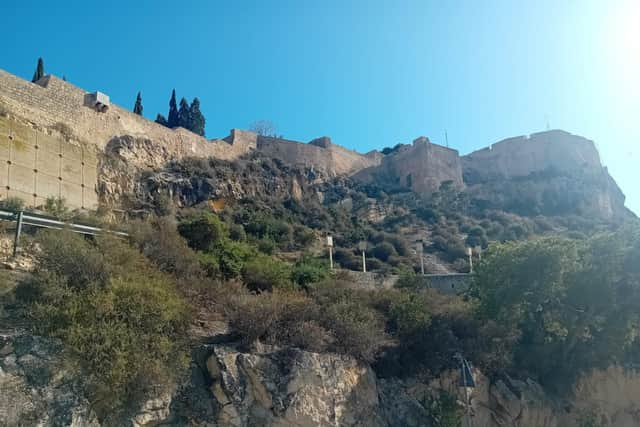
x=53, y=142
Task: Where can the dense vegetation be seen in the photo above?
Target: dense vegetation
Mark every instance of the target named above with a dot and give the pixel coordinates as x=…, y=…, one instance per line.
x=553, y=297
x=120, y=317
x=572, y=304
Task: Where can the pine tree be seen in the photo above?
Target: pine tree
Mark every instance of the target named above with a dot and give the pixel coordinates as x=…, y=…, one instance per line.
x=137, y=108
x=197, y=118
x=172, y=122
x=184, y=114
x=160, y=119
x=39, y=73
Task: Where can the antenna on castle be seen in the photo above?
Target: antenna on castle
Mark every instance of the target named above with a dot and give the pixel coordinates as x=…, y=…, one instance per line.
x=446, y=138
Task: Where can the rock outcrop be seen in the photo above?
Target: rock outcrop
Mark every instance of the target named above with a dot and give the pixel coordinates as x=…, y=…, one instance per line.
x=229, y=387
x=37, y=388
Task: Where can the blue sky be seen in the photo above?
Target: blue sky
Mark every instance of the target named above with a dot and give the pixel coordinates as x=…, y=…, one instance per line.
x=367, y=73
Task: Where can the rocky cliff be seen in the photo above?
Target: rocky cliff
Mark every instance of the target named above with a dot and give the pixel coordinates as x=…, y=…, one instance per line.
x=228, y=387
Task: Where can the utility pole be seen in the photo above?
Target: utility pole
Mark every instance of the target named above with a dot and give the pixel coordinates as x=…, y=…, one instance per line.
x=330, y=245
x=470, y=253
x=419, y=250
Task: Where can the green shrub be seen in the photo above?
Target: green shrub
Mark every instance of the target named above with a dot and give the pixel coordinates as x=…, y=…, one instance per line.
x=309, y=270
x=400, y=245
x=303, y=237
x=232, y=257
x=477, y=237
x=443, y=410
x=279, y=317
x=70, y=255
x=410, y=280
x=159, y=240
x=383, y=251
x=122, y=320
x=266, y=246
x=14, y=204
x=357, y=327
x=236, y=232
x=204, y=231
x=265, y=273
x=57, y=207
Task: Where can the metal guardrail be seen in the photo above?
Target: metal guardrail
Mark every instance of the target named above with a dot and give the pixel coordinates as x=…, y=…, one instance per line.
x=42, y=221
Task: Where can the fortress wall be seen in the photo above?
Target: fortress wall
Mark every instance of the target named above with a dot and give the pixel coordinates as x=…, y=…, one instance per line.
x=35, y=165
x=521, y=156
x=297, y=153
x=422, y=166
x=326, y=156
x=52, y=102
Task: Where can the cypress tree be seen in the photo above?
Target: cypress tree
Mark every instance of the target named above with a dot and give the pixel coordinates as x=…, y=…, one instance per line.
x=39, y=73
x=172, y=122
x=197, y=118
x=160, y=119
x=137, y=108
x=184, y=114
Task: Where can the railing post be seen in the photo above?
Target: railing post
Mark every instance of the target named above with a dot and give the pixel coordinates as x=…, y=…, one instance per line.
x=16, y=240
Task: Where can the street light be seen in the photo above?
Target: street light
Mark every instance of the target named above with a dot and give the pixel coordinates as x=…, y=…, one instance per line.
x=330, y=245
x=363, y=247
x=419, y=250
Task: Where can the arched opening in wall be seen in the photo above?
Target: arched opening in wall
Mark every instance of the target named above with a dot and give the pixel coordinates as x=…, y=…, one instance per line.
x=409, y=181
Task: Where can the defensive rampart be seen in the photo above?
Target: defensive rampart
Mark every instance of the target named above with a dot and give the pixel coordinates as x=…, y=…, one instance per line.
x=420, y=167
x=54, y=103
x=319, y=153
x=522, y=156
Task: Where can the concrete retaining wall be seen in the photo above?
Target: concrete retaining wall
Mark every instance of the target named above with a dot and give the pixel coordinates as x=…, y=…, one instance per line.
x=35, y=165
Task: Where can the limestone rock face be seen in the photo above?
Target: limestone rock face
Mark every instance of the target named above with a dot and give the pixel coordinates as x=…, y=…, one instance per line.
x=289, y=387
x=35, y=387
x=292, y=388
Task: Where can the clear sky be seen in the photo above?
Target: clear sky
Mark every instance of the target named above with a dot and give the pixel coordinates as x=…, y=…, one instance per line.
x=368, y=73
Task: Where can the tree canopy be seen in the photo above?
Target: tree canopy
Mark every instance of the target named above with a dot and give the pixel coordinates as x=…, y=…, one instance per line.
x=39, y=72
x=573, y=303
x=137, y=108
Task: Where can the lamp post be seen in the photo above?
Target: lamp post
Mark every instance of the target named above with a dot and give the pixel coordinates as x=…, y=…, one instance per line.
x=419, y=250
x=363, y=247
x=470, y=253
x=330, y=245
